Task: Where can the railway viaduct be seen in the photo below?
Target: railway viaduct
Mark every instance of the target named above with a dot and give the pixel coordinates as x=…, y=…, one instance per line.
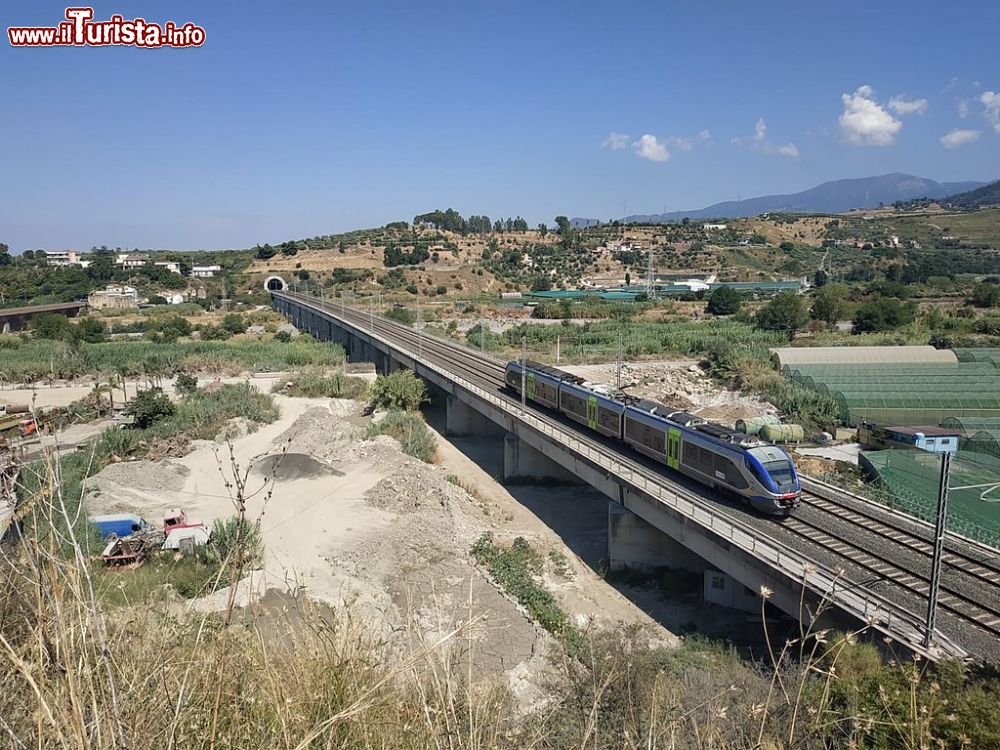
x=654, y=518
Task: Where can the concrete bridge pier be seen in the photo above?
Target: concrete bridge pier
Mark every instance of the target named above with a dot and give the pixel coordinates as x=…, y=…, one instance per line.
x=462, y=419
x=634, y=543
x=522, y=462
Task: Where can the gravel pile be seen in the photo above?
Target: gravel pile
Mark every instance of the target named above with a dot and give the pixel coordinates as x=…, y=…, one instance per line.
x=414, y=488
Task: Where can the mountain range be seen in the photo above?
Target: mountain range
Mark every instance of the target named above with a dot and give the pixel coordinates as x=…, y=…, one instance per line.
x=832, y=197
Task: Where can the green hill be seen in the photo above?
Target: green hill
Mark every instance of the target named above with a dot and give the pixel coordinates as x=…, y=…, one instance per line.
x=987, y=195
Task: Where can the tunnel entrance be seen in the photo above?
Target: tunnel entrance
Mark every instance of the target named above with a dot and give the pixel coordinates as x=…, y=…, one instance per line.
x=274, y=284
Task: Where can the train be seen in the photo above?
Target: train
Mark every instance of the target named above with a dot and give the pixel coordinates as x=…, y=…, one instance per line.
x=763, y=475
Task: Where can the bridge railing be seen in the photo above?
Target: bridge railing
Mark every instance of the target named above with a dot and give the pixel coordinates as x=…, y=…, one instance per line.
x=877, y=611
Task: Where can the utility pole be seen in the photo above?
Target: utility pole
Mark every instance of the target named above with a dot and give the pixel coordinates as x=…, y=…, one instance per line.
x=482, y=334
x=650, y=280
x=371, y=313
x=940, y=526
x=557, y=348
x=524, y=373
x=420, y=330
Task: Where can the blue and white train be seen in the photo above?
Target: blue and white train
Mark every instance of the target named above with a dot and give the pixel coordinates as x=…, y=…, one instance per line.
x=763, y=475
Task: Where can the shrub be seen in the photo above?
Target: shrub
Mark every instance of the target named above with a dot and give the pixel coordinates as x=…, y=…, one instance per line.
x=316, y=384
x=401, y=315
x=149, y=407
x=283, y=336
x=411, y=432
x=186, y=383
x=401, y=390
x=237, y=544
x=234, y=323
x=515, y=568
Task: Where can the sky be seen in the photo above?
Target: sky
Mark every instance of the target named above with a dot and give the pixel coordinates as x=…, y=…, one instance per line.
x=297, y=119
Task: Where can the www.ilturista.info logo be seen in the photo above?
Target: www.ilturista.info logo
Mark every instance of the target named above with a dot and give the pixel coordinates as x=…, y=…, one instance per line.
x=80, y=30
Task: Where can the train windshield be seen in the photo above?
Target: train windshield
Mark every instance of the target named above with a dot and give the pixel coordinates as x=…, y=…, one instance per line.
x=783, y=475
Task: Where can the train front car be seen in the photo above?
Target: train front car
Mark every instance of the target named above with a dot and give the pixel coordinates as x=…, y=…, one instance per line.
x=777, y=488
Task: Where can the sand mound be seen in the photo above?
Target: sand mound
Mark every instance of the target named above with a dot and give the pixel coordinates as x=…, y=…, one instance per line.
x=321, y=434
x=159, y=476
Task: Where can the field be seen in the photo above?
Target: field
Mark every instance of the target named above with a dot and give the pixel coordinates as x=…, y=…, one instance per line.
x=27, y=360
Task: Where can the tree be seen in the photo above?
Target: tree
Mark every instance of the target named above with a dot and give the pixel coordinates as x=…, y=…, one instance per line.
x=828, y=303
x=786, y=247
x=883, y=314
x=820, y=278
x=92, y=330
x=985, y=295
x=785, y=312
x=628, y=279
x=149, y=407
x=5, y=259
x=724, y=301
x=543, y=229
x=53, y=326
x=102, y=264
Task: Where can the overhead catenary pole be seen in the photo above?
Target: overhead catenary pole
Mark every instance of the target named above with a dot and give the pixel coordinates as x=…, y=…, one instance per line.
x=618, y=368
x=940, y=526
x=524, y=373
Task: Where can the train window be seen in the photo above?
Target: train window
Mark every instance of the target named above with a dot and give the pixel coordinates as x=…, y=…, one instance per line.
x=782, y=474
x=718, y=582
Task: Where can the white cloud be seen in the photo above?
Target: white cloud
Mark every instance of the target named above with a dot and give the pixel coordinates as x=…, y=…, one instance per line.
x=903, y=106
x=865, y=122
x=615, y=141
x=705, y=137
x=759, y=142
x=957, y=138
x=680, y=143
x=991, y=100
x=648, y=147
x=963, y=108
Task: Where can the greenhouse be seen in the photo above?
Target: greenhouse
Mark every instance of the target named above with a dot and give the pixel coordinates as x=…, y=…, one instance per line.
x=823, y=372
x=971, y=425
x=914, y=406
x=985, y=442
x=978, y=355
x=848, y=355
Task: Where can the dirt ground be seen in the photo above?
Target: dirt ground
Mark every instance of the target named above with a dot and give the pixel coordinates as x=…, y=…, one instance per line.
x=353, y=522
x=680, y=384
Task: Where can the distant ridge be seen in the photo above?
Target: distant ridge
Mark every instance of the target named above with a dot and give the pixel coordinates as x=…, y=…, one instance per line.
x=987, y=195
x=832, y=197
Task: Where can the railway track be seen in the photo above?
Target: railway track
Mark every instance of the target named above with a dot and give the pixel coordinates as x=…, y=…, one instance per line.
x=864, y=551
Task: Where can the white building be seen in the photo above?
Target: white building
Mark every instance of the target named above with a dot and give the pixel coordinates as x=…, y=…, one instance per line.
x=205, y=271
x=63, y=258
x=170, y=265
x=133, y=260
x=719, y=227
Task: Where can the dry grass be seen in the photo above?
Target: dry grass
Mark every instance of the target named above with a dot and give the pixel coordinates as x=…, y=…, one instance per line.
x=77, y=674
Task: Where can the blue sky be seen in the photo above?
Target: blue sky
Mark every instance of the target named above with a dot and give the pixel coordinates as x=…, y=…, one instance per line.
x=304, y=118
